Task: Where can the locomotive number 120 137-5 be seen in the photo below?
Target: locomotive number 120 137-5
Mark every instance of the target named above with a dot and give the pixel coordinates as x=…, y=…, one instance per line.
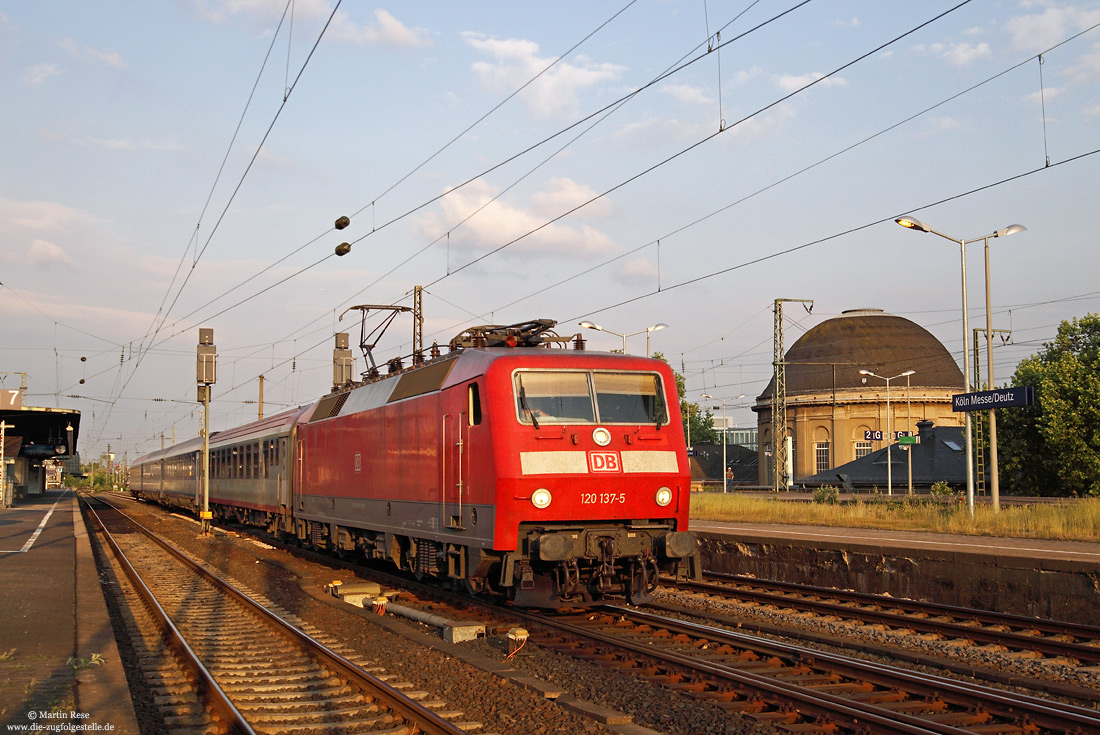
x=600, y=498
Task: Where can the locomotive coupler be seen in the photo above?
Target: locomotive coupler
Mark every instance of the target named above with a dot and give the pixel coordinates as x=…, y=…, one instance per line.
x=606, y=574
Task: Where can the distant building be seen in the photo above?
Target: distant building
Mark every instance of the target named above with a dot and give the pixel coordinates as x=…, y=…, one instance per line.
x=745, y=436
x=833, y=411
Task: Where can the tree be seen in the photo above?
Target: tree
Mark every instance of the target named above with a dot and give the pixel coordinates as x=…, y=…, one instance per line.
x=700, y=424
x=1053, y=447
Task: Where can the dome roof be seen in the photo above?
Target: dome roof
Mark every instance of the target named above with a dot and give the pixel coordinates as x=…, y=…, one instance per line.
x=866, y=339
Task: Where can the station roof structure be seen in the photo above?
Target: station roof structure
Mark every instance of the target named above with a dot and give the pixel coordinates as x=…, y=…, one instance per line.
x=37, y=432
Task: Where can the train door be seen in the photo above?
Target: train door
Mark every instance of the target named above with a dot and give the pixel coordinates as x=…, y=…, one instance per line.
x=455, y=457
x=280, y=465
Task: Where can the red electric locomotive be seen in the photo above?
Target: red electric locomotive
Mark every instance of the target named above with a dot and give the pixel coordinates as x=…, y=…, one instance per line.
x=551, y=476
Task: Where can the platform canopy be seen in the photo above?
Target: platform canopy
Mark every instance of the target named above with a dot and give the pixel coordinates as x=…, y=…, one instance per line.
x=40, y=433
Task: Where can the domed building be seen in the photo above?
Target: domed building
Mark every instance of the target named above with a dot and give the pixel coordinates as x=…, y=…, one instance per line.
x=833, y=411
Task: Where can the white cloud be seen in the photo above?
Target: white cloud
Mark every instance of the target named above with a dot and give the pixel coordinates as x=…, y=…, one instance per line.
x=81, y=53
x=499, y=222
x=385, y=30
x=515, y=62
x=43, y=252
x=638, y=270
x=790, y=82
x=562, y=194
x=40, y=73
x=122, y=144
x=935, y=125
x=1046, y=95
x=263, y=11
x=1092, y=110
x=1039, y=31
x=687, y=94
x=42, y=216
x=960, y=54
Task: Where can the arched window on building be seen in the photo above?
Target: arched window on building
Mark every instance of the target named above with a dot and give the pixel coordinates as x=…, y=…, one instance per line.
x=863, y=447
x=822, y=455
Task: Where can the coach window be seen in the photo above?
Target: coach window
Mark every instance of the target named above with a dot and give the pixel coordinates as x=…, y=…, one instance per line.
x=473, y=405
x=257, y=460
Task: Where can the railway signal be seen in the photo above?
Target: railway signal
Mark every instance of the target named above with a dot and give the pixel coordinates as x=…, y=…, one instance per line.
x=206, y=370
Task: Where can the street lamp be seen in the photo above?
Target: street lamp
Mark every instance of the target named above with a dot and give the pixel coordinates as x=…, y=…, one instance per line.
x=725, y=425
x=647, y=330
x=916, y=224
x=889, y=426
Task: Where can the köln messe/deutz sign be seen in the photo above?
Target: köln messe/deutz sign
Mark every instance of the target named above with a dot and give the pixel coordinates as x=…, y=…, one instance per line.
x=984, y=400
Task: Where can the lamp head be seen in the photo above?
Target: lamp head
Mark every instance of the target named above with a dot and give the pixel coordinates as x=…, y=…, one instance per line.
x=913, y=224
x=708, y=396
x=907, y=372
x=1010, y=230
x=865, y=372
x=590, y=325
x=655, y=327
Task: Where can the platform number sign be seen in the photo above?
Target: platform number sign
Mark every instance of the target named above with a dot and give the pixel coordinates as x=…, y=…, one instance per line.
x=11, y=398
x=872, y=435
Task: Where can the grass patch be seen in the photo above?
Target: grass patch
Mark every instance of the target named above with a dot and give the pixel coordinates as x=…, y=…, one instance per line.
x=1075, y=521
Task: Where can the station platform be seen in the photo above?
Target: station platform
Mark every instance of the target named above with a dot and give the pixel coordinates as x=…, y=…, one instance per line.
x=1084, y=553
x=59, y=664
x=1034, y=577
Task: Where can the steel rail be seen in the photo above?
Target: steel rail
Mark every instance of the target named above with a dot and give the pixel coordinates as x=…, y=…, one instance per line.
x=428, y=721
x=1044, y=625
x=1082, y=652
x=821, y=704
x=207, y=686
x=1050, y=714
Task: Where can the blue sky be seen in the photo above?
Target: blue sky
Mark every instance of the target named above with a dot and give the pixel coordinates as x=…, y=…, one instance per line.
x=572, y=161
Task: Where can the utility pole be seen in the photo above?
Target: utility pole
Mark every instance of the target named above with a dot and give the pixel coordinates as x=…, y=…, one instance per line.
x=779, y=400
x=261, y=416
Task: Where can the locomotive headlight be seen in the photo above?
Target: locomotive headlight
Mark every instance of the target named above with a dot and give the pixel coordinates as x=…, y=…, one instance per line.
x=601, y=436
x=541, y=498
x=664, y=497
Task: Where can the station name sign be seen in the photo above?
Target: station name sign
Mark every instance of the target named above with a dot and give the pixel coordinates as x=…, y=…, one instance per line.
x=984, y=400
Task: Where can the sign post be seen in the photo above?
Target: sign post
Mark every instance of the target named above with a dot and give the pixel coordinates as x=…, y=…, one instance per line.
x=985, y=400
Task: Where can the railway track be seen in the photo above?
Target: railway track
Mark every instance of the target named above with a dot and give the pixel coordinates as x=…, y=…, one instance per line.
x=220, y=661
x=800, y=689
x=1072, y=642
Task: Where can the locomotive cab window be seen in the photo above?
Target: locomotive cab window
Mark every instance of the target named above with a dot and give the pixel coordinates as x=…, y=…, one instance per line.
x=577, y=397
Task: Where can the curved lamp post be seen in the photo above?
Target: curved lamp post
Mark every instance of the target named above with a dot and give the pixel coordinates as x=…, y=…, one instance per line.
x=889, y=426
x=647, y=331
x=994, y=484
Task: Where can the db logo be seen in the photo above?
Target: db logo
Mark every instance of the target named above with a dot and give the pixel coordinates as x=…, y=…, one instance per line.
x=604, y=462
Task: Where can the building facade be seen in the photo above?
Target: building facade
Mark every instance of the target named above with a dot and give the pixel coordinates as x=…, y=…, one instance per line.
x=834, y=413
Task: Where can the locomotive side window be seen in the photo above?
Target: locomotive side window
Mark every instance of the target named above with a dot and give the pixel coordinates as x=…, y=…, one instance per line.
x=628, y=398
x=583, y=397
x=473, y=405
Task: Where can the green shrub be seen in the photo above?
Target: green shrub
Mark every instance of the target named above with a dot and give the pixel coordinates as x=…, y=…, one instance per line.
x=827, y=494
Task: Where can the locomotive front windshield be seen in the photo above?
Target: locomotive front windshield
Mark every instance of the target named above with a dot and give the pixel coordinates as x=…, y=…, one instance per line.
x=579, y=397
